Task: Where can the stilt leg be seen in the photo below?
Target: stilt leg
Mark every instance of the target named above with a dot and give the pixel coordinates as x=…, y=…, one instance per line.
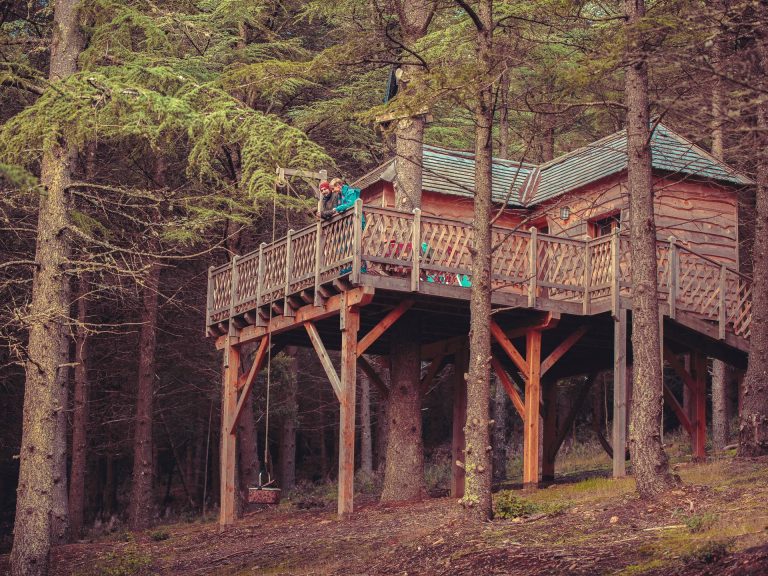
x=532, y=429
x=228, y=437
x=700, y=407
x=550, y=432
x=459, y=420
x=350, y=324
x=620, y=394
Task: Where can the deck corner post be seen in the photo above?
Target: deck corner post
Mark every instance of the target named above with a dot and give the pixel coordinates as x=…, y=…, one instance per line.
x=231, y=365
x=619, y=432
x=722, y=313
x=615, y=274
x=674, y=273
x=587, y=276
x=533, y=271
x=318, y=261
x=357, y=242
x=260, y=283
x=350, y=324
x=287, y=310
x=209, y=302
x=532, y=425
x=233, y=296
x=416, y=250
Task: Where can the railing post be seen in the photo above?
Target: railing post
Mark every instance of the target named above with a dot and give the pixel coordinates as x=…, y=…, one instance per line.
x=260, y=284
x=318, y=261
x=587, y=275
x=674, y=274
x=287, y=310
x=415, y=249
x=533, y=270
x=233, y=296
x=615, y=274
x=722, y=312
x=209, y=301
x=357, y=241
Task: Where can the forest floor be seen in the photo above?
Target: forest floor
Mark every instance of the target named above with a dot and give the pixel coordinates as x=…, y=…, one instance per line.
x=715, y=523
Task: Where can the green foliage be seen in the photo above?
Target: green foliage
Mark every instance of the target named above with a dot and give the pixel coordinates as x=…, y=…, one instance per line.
x=697, y=523
x=130, y=561
x=507, y=504
x=709, y=552
x=159, y=535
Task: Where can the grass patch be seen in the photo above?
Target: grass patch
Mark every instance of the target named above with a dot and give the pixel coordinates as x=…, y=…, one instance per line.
x=508, y=505
x=709, y=552
x=159, y=535
x=130, y=561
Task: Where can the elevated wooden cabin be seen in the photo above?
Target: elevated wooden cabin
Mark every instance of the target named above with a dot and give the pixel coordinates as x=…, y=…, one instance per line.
x=561, y=276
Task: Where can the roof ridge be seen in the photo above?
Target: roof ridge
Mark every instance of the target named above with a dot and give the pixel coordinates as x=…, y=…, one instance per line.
x=581, y=150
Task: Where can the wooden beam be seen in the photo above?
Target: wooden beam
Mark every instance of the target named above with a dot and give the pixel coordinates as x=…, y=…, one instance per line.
x=562, y=348
x=458, y=440
x=359, y=296
x=228, y=438
x=509, y=386
x=443, y=347
x=432, y=371
x=383, y=325
x=531, y=425
x=258, y=362
x=370, y=371
x=670, y=399
x=350, y=318
x=509, y=348
x=619, y=393
x=325, y=359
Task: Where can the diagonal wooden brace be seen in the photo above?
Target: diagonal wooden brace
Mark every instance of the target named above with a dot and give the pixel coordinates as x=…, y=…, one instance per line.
x=509, y=386
x=258, y=363
x=508, y=347
x=325, y=359
x=370, y=371
x=562, y=348
x=383, y=325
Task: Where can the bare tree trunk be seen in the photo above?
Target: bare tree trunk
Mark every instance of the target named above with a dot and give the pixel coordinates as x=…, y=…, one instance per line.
x=649, y=461
x=366, y=444
x=753, y=416
x=382, y=427
x=477, y=490
x=720, y=416
x=48, y=345
x=80, y=417
x=504, y=115
x=288, y=429
x=404, y=469
x=142, y=501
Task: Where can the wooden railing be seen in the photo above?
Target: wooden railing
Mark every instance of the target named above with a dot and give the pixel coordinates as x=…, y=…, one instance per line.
x=594, y=274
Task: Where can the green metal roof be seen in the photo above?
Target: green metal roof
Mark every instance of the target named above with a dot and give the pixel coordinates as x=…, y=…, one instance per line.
x=453, y=172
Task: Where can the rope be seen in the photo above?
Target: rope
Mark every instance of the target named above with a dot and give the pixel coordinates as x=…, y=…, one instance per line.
x=267, y=463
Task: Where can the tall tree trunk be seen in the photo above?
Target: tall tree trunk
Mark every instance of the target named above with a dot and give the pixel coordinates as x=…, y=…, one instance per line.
x=753, y=416
x=477, y=489
x=404, y=468
x=382, y=425
x=142, y=501
x=288, y=428
x=504, y=85
x=649, y=461
x=80, y=416
x=366, y=441
x=48, y=346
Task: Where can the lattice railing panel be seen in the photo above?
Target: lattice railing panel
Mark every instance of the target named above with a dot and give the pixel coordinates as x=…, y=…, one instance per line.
x=247, y=282
x=303, y=251
x=698, y=285
x=560, y=268
x=739, y=310
x=273, y=283
x=221, y=285
x=445, y=255
x=600, y=268
x=337, y=250
x=662, y=266
x=387, y=241
x=511, y=260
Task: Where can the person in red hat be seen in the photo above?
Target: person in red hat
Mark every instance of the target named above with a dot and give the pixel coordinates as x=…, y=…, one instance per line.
x=328, y=201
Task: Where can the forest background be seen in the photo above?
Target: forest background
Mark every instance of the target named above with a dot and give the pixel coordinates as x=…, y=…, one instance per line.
x=175, y=119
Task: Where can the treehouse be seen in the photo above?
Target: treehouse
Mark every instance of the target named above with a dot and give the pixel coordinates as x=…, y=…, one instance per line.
x=561, y=278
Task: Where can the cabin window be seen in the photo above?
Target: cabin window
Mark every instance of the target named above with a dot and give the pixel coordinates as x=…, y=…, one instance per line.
x=606, y=225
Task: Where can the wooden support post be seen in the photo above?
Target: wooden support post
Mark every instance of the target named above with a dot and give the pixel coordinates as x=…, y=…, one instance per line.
x=532, y=429
x=318, y=262
x=209, y=302
x=615, y=274
x=699, y=435
x=587, y=276
x=722, y=313
x=533, y=270
x=350, y=324
x=357, y=242
x=509, y=348
x=287, y=310
x=620, y=394
x=550, y=432
x=461, y=364
x=416, y=250
x=674, y=274
x=228, y=436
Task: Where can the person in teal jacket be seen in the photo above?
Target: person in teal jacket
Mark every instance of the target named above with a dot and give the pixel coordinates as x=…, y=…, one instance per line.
x=347, y=196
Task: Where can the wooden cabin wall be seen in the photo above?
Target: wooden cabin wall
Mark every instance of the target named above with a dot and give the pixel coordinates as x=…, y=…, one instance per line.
x=701, y=215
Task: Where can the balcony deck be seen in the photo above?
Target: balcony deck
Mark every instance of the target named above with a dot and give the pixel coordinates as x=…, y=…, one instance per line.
x=530, y=271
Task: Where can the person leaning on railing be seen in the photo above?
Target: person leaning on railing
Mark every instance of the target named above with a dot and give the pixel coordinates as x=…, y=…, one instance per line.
x=326, y=208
